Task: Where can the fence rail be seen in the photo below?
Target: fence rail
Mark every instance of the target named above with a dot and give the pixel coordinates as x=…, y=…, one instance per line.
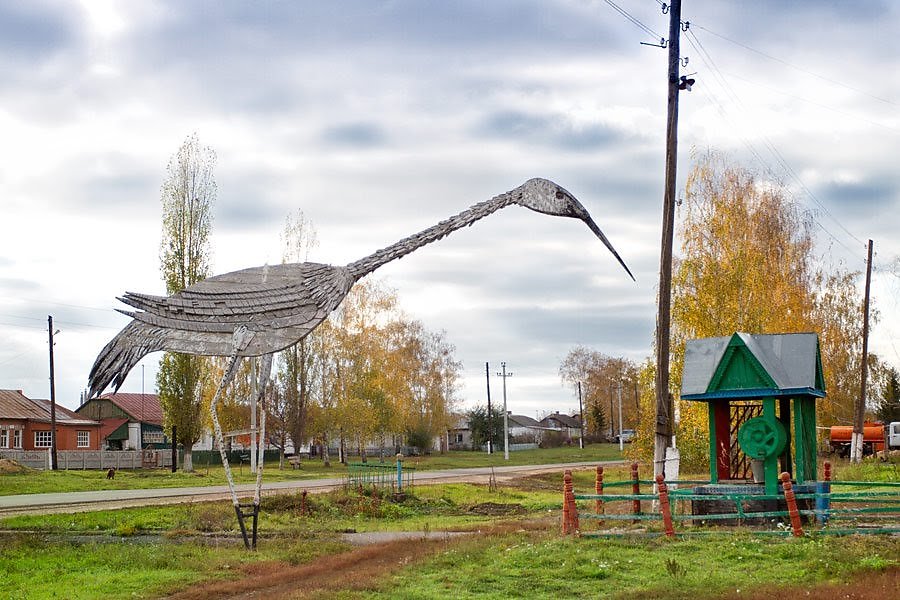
x=860, y=510
x=91, y=459
x=382, y=476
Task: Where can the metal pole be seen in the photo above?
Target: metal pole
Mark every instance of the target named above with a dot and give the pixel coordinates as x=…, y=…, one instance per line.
x=490, y=415
x=663, y=417
x=621, y=442
x=53, y=462
x=504, y=374
x=580, y=418
x=859, y=414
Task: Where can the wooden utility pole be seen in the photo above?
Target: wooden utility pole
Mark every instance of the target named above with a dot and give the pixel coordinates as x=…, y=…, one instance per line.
x=663, y=322
x=859, y=415
x=53, y=461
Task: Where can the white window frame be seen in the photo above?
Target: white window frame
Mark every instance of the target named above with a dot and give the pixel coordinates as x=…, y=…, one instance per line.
x=4, y=438
x=83, y=439
x=43, y=439
x=17, y=438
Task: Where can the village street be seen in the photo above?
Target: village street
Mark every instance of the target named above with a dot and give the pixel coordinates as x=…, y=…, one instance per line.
x=108, y=499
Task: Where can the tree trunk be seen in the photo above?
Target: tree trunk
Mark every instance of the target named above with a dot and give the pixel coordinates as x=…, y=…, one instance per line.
x=187, y=464
x=326, y=459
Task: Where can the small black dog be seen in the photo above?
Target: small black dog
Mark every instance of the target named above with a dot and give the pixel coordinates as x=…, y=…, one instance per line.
x=111, y=474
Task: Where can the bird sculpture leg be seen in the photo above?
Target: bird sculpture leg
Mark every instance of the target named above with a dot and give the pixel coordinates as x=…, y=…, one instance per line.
x=241, y=340
x=265, y=368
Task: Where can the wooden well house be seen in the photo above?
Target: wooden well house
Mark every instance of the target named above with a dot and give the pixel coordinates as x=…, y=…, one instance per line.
x=761, y=391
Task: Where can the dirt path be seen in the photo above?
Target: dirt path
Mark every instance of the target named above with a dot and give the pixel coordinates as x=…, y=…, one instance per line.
x=357, y=569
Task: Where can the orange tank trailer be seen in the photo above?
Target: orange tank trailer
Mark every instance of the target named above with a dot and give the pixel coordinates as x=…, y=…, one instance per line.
x=873, y=438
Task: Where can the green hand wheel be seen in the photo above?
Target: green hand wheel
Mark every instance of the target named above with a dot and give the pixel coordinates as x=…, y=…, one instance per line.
x=761, y=438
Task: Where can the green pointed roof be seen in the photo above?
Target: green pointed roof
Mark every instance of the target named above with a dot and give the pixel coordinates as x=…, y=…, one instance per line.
x=753, y=366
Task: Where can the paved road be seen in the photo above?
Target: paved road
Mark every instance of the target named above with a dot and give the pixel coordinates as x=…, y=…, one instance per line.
x=106, y=499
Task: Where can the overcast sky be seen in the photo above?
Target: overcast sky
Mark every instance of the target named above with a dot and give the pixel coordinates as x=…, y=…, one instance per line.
x=378, y=119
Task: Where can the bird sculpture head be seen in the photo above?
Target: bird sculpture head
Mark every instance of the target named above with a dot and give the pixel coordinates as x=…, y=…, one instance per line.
x=544, y=196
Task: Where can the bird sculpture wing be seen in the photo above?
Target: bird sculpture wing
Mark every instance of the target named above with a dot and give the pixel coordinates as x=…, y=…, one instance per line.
x=281, y=302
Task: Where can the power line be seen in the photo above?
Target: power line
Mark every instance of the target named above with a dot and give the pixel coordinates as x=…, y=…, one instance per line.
x=793, y=66
x=634, y=20
x=44, y=301
x=779, y=158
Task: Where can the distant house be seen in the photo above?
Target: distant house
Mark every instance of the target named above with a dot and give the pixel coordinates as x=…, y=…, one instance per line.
x=459, y=434
x=129, y=421
x=570, y=426
x=25, y=424
x=525, y=430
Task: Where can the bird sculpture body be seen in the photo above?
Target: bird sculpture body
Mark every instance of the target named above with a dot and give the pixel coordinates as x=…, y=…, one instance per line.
x=279, y=305
x=262, y=310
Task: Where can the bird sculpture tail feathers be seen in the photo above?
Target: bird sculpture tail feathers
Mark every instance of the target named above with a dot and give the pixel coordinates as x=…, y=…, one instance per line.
x=121, y=354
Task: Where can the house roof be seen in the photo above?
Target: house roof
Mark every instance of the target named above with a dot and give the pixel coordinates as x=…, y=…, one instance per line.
x=15, y=405
x=523, y=421
x=109, y=426
x=141, y=407
x=563, y=419
x=61, y=411
x=751, y=365
x=459, y=421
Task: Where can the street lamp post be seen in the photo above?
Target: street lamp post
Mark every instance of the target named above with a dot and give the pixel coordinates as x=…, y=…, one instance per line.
x=580, y=418
x=504, y=375
x=621, y=441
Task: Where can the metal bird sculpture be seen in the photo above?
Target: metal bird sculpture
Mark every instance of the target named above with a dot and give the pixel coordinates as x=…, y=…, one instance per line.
x=262, y=310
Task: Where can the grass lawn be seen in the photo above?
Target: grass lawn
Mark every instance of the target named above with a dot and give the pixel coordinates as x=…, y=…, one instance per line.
x=34, y=482
x=153, y=552
x=547, y=565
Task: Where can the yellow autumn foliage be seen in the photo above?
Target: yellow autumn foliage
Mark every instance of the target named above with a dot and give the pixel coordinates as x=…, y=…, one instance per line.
x=745, y=265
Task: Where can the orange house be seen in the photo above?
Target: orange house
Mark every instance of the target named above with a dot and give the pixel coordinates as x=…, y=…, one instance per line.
x=25, y=425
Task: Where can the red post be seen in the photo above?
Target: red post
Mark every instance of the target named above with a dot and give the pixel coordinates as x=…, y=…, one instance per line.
x=567, y=509
x=664, y=507
x=791, y=501
x=598, y=489
x=635, y=489
x=827, y=470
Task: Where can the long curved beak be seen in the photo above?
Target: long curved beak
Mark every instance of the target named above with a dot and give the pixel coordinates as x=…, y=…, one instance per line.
x=593, y=227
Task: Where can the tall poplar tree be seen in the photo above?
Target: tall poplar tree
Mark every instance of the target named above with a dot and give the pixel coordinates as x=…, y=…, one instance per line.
x=188, y=194
x=296, y=368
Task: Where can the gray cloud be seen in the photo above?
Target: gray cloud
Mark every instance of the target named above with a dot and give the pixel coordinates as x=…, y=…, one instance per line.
x=850, y=198
x=359, y=135
x=13, y=286
x=35, y=31
x=552, y=130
